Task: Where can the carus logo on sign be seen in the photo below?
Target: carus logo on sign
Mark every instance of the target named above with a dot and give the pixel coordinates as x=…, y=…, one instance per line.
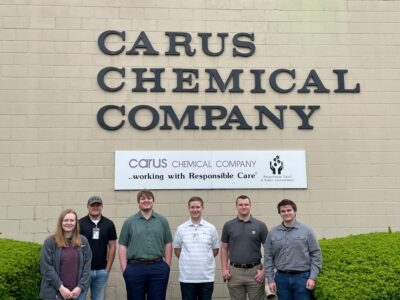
x=147, y=163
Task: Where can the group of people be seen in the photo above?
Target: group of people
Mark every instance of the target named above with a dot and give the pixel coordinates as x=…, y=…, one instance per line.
x=80, y=254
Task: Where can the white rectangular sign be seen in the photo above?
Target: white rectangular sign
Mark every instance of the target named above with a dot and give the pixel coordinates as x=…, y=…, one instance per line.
x=175, y=170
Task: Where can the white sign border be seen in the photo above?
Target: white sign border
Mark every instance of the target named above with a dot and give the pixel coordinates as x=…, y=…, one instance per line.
x=294, y=173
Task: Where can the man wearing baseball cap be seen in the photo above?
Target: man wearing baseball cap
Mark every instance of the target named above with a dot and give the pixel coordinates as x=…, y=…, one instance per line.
x=101, y=234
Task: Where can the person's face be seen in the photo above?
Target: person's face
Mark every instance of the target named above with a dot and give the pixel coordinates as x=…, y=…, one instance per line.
x=69, y=222
x=243, y=207
x=195, y=209
x=287, y=213
x=146, y=203
x=95, y=209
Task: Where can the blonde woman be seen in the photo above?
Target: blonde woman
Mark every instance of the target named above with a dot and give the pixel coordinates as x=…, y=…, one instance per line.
x=65, y=261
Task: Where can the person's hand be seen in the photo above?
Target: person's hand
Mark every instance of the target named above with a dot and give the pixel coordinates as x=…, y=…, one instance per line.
x=65, y=293
x=272, y=287
x=260, y=276
x=76, y=292
x=123, y=266
x=310, y=284
x=226, y=275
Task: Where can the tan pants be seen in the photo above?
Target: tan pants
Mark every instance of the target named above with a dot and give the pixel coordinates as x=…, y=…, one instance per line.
x=243, y=283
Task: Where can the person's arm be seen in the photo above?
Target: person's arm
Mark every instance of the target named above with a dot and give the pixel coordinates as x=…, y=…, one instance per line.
x=315, y=258
x=177, y=252
x=268, y=264
x=260, y=275
x=216, y=244
x=47, y=269
x=112, y=249
x=268, y=260
x=224, y=261
x=168, y=253
x=177, y=242
x=123, y=242
x=84, y=281
x=122, y=252
x=167, y=243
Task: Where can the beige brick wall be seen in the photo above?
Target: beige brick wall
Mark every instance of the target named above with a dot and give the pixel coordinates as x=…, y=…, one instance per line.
x=53, y=154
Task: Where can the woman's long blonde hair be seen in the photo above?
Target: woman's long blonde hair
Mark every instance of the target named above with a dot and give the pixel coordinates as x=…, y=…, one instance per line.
x=59, y=237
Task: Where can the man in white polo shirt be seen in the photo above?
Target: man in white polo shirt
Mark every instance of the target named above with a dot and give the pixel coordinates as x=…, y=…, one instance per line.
x=196, y=243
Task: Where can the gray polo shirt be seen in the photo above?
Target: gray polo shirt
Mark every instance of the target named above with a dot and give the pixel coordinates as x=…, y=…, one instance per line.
x=244, y=240
x=296, y=249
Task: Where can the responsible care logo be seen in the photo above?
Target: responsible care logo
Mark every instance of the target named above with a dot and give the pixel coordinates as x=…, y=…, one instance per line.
x=276, y=165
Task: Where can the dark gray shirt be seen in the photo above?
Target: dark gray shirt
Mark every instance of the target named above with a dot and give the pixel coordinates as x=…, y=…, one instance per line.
x=244, y=240
x=292, y=250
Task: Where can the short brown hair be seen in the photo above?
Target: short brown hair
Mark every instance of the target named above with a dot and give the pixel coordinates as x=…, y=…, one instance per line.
x=242, y=197
x=145, y=193
x=196, y=198
x=286, y=202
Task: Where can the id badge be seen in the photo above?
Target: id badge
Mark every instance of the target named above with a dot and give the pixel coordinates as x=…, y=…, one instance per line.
x=96, y=233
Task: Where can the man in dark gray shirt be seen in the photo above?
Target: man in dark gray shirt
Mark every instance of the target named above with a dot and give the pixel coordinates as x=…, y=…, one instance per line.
x=293, y=251
x=242, y=238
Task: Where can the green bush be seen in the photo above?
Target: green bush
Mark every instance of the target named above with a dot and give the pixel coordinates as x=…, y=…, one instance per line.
x=19, y=270
x=360, y=267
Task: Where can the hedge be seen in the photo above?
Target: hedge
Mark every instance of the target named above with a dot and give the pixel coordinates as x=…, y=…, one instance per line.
x=360, y=267
x=19, y=270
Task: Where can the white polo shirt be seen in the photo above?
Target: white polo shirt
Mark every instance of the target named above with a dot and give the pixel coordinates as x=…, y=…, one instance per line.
x=196, y=261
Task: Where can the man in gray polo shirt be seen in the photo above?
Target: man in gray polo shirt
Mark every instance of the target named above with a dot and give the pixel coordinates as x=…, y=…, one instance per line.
x=242, y=238
x=292, y=249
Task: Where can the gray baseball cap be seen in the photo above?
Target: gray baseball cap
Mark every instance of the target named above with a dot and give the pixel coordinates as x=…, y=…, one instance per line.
x=94, y=199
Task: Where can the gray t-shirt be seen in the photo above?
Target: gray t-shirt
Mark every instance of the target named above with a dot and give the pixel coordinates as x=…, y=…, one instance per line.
x=244, y=240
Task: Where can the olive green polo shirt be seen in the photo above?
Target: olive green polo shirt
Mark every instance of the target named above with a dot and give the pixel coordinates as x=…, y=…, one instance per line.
x=145, y=239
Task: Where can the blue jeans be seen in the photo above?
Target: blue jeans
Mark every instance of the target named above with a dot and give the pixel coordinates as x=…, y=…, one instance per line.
x=197, y=291
x=98, y=285
x=146, y=280
x=292, y=286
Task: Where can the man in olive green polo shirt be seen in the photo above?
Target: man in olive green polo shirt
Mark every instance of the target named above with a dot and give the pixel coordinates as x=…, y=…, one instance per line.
x=145, y=251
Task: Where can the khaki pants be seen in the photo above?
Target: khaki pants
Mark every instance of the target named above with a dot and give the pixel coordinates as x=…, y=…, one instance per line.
x=243, y=283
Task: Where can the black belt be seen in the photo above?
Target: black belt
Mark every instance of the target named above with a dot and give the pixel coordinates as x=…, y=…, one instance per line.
x=244, y=266
x=145, y=262
x=292, y=272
